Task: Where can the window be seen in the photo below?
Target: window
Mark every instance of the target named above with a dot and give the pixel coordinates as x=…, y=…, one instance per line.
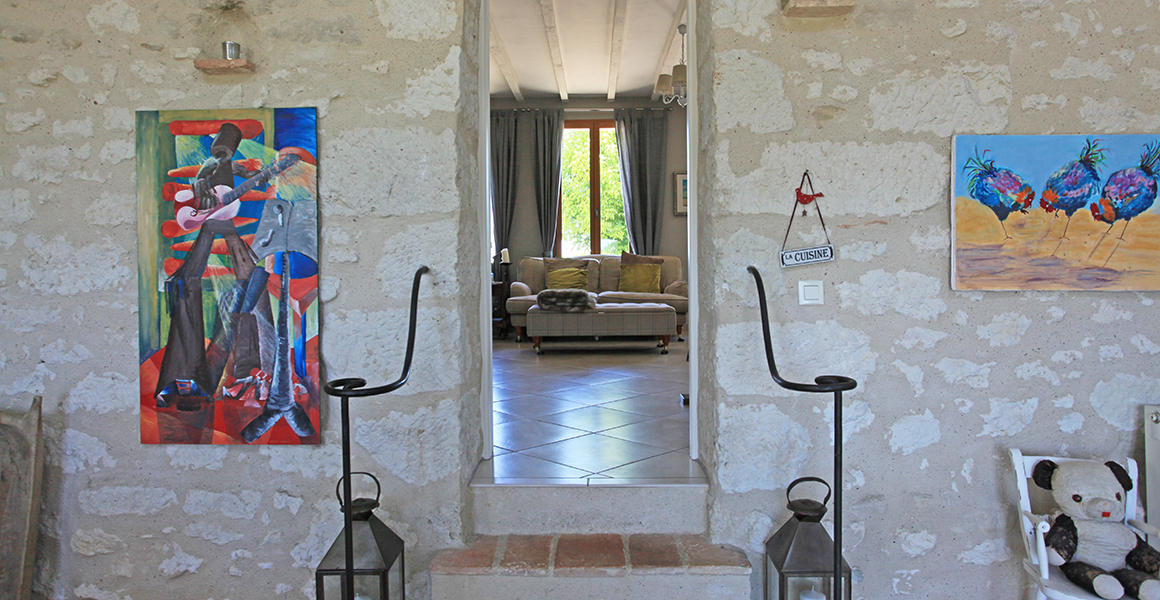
x=591, y=207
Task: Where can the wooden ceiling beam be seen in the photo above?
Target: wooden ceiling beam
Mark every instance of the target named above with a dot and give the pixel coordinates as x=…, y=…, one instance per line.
x=548, y=9
x=616, y=54
x=500, y=55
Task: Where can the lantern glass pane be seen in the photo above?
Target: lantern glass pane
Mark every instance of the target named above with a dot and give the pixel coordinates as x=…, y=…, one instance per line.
x=796, y=586
x=772, y=588
x=395, y=580
x=366, y=587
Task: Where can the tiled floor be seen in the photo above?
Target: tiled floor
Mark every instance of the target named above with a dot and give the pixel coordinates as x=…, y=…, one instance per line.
x=589, y=412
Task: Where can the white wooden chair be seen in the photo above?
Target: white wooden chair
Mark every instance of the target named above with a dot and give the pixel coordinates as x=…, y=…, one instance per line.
x=1035, y=507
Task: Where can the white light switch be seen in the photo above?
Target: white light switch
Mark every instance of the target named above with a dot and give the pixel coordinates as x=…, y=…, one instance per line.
x=811, y=292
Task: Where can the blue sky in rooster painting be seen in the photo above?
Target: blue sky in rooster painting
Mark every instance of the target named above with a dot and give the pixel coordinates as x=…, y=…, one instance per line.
x=1036, y=157
x=1065, y=212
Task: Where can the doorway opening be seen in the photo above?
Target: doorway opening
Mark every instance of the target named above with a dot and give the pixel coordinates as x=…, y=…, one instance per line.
x=590, y=410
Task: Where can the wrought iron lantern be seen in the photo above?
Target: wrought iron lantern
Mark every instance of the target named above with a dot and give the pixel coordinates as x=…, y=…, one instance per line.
x=801, y=553
x=379, y=564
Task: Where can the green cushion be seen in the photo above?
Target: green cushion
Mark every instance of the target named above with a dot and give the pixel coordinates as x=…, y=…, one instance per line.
x=572, y=278
x=645, y=279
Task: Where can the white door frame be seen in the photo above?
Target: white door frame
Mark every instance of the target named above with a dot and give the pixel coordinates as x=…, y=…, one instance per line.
x=692, y=141
x=483, y=160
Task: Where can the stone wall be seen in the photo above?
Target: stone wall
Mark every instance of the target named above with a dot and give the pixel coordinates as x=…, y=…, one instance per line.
x=396, y=86
x=947, y=381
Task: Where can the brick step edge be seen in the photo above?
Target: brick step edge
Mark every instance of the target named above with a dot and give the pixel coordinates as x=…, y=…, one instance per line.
x=592, y=555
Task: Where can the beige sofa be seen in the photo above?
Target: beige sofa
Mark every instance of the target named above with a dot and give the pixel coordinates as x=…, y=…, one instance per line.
x=604, y=281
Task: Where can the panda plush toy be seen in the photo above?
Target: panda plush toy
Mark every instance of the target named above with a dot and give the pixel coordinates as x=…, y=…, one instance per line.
x=1090, y=541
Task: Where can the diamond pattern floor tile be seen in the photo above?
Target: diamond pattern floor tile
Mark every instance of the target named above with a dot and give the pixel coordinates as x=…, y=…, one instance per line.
x=526, y=433
x=515, y=464
x=595, y=419
x=594, y=452
x=549, y=408
x=671, y=465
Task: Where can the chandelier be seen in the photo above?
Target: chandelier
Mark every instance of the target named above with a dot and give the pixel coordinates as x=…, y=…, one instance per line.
x=675, y=86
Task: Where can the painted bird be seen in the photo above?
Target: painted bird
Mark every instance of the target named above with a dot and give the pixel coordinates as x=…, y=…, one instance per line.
x=1001, y=190
x=1074, y=185
x=1127, y=193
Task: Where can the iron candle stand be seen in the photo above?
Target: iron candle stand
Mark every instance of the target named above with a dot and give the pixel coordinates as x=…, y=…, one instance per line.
x=353, y=387
x=824, y=384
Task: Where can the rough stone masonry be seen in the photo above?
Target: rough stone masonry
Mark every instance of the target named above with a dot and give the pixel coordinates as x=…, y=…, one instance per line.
x=947, y=381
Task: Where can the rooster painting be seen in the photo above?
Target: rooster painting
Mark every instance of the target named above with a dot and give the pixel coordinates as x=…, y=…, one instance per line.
x=1127, y=194
x=1074, y=185
x=1106, y=185
x=1001, y=190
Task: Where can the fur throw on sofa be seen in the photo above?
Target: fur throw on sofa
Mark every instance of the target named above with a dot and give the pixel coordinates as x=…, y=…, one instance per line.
x=566, y=300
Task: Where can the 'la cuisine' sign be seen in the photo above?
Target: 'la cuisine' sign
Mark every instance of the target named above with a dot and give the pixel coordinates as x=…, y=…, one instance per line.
x=807, y=256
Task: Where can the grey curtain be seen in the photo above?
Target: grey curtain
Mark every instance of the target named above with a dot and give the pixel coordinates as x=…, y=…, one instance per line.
x=503, y=176
x=641, y=138
x=548, y=133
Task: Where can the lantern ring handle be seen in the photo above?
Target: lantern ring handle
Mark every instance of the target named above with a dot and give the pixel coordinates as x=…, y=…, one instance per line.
x=378, y=487
x=829, y=490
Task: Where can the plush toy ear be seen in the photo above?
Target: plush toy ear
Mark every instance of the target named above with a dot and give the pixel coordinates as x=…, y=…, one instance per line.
x=1042, y=473
x=1121, y=475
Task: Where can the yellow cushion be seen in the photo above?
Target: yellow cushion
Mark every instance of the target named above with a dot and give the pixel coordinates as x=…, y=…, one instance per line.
x=642, y=279
x=571, y=278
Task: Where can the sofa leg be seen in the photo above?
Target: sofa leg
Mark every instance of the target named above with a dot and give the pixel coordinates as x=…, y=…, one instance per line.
x=665, y=344
x=519, y=333
x=536, y=343
x=679, y=328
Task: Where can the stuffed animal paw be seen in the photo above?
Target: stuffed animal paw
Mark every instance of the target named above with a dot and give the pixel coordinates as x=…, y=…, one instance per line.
x=1149, y=590
x=1108, y=587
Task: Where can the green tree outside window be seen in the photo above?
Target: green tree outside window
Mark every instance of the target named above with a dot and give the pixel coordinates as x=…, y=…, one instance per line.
x=576, y=198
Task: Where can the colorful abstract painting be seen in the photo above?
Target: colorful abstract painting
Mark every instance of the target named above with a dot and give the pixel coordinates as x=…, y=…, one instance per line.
x=1055, y=212
x=228, y=276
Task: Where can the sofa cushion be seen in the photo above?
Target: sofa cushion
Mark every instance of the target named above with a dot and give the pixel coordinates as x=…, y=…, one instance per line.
x=563, y=263
x=568, y=278
x=519, y=305
x=679, y=303
x=638, y=259
x=533, y=271
x=671, y=270
x=644, y=278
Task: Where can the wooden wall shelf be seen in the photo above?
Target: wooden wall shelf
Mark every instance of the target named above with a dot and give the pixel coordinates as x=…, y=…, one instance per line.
x=222, y=66
x=816, y=8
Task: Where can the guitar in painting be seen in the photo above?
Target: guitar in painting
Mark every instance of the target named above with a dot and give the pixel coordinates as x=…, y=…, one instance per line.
x=190, y=217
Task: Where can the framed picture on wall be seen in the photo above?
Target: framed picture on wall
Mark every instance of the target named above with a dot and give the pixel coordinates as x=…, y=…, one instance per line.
x=1055, y=212
x=680, y=193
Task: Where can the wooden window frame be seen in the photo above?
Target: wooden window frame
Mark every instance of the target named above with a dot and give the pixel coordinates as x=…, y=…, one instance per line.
x=593, y=126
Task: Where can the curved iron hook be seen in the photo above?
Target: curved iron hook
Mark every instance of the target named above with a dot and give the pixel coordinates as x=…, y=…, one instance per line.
x=822, y=384
x=348, y=387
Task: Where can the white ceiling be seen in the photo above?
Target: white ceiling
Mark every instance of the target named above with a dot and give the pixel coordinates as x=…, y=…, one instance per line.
x=603, y=48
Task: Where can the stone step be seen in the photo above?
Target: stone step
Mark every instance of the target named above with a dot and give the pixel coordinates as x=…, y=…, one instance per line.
x=593, y=566
x=599, y=506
